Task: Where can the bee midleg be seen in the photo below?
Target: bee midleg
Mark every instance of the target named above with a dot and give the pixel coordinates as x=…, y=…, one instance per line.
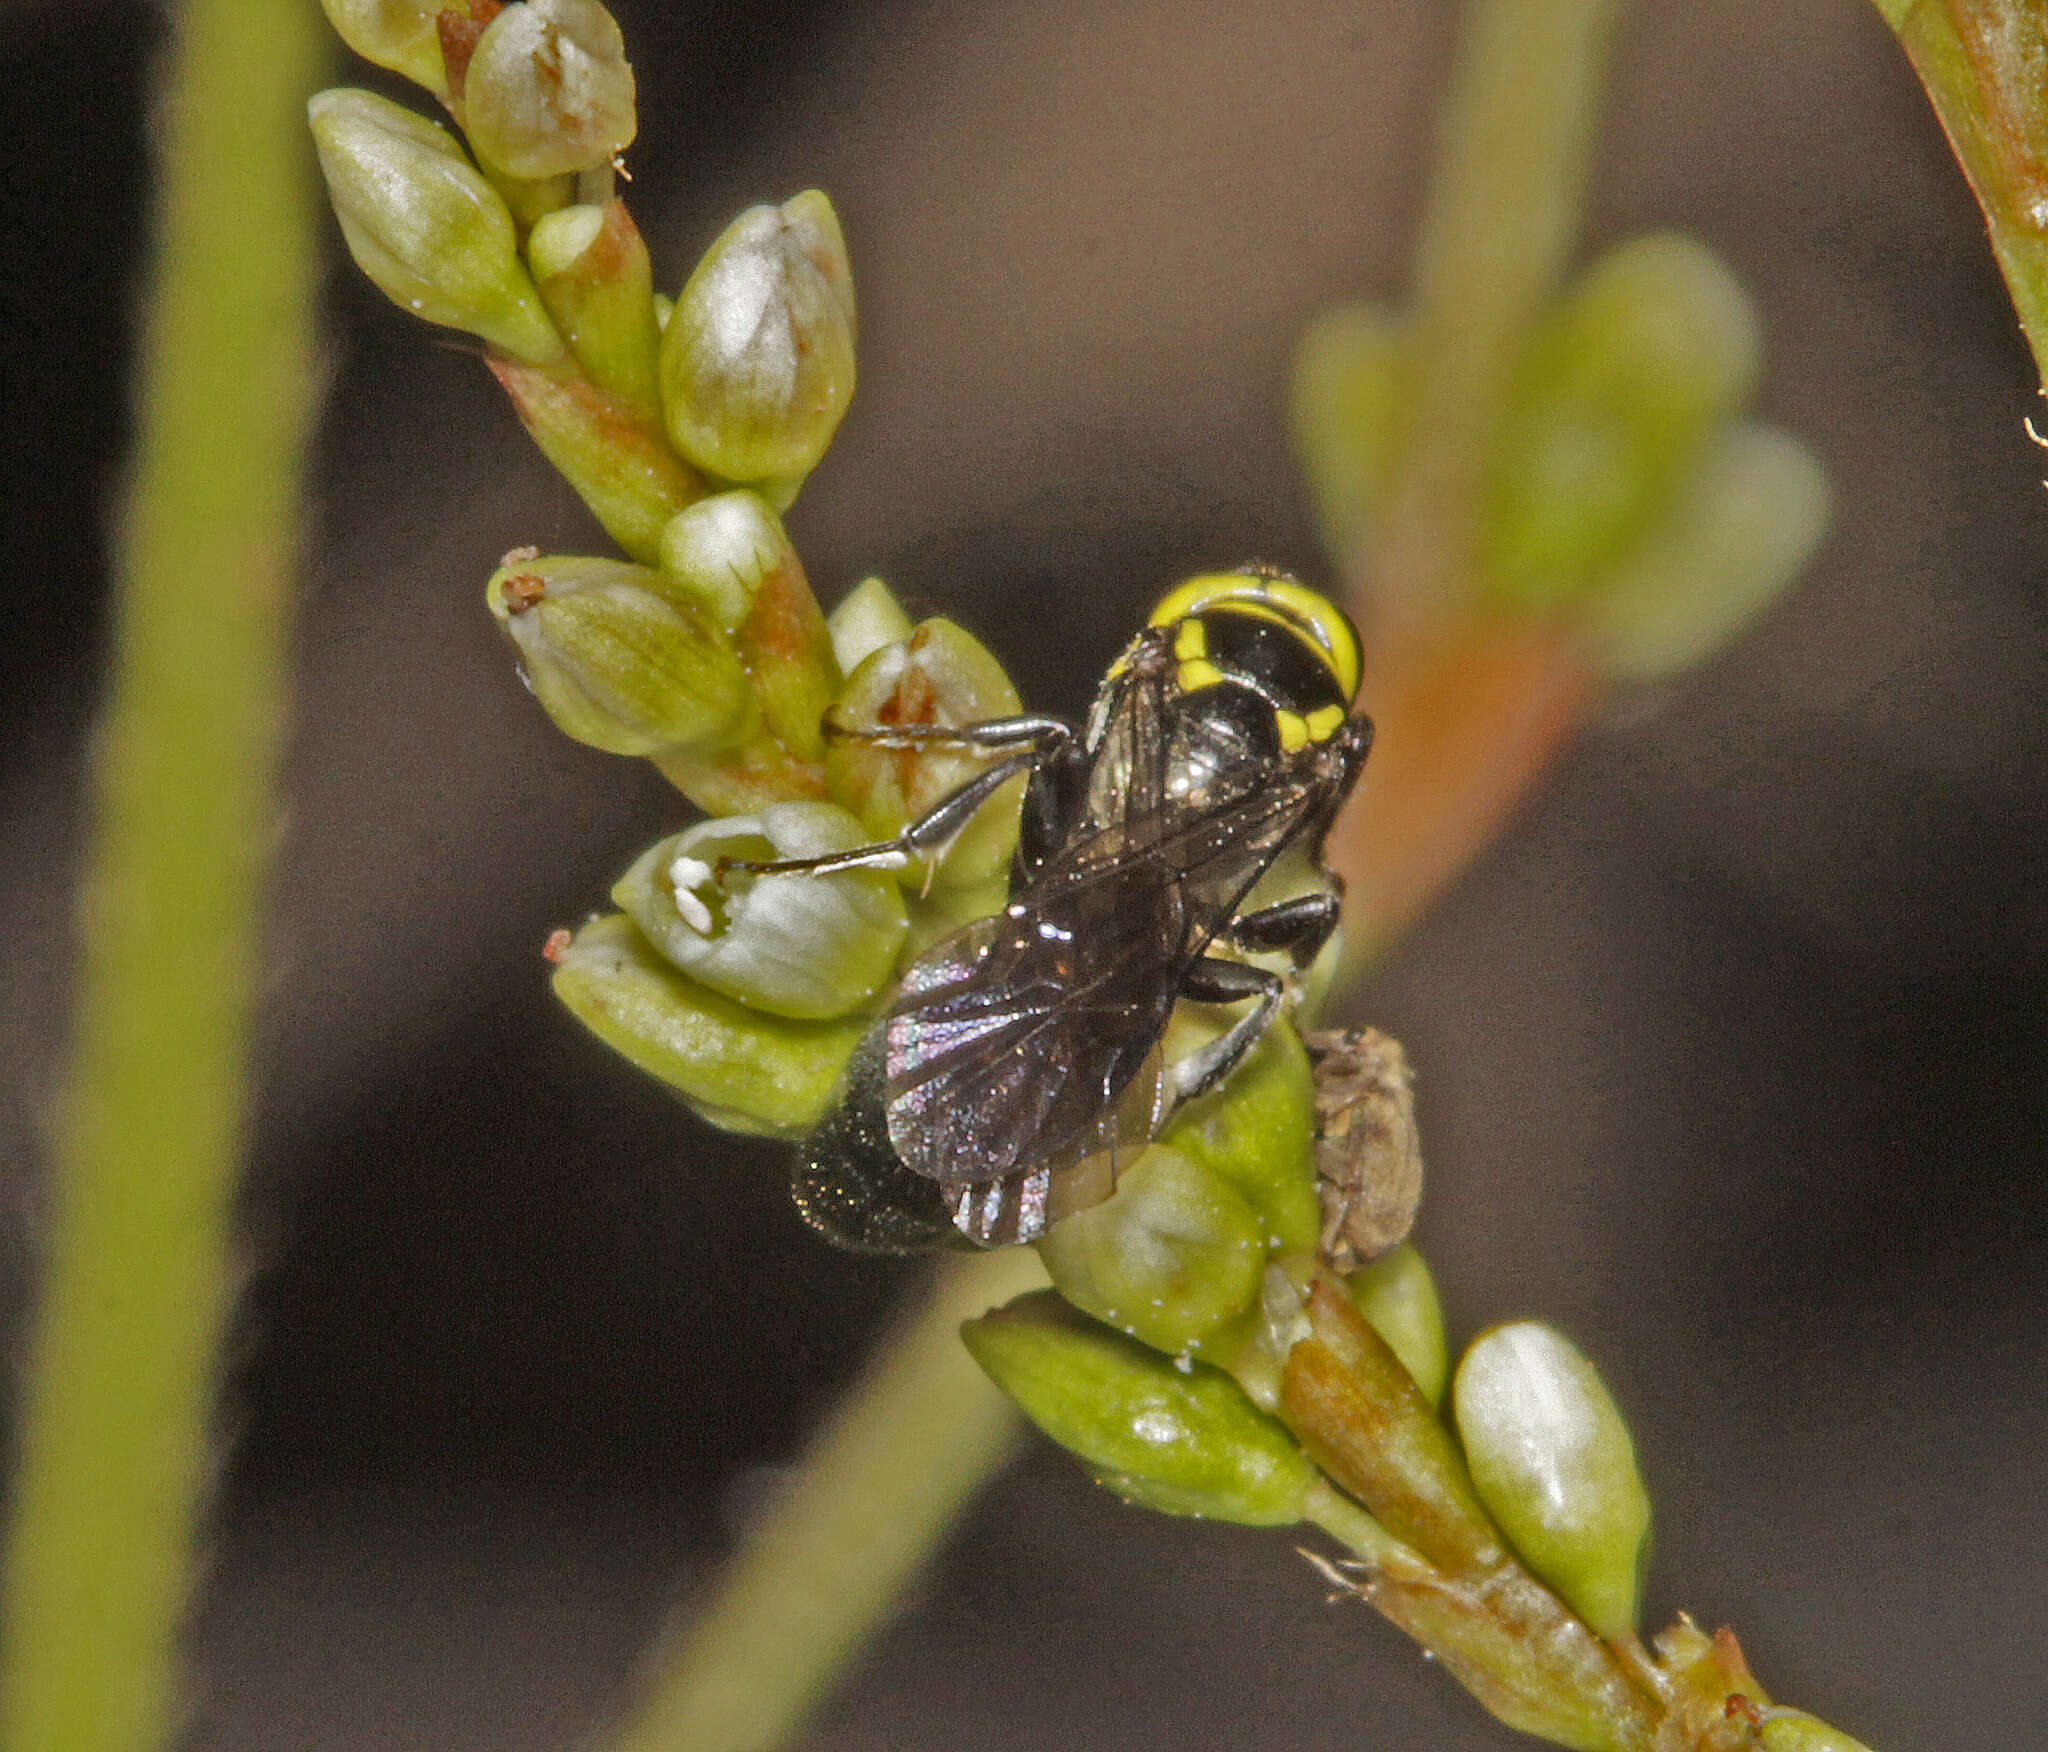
x=1212, y=980
x=929, y=832
x=1299, y=927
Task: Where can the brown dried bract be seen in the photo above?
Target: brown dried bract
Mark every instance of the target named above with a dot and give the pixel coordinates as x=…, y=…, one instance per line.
x=1368, y=1156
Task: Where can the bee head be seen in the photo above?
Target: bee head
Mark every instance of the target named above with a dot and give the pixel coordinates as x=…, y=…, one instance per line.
x=1294, y=648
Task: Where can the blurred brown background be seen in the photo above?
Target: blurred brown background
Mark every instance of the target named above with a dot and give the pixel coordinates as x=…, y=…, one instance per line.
x=1731, y=1052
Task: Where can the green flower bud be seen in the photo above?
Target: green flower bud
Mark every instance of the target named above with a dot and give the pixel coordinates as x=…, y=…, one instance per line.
x=548, y=89
x=751, y=775
x=1182, y=1441
x=630, y=479
x=1792, y=1730
x=1743, y=526
x=1619, y=390
x=423, y=223
x=614, y=664
x=757, y=361
x=1348, y=406
x=1173, y=1257
x=945, y=910
x=799, y=945
x=869, y=618
x=719, y=550
x=594, y=276
x=1256, y=1131
x=941, y=674
x=741, y=1068
x=730, y=553
x=1552, y=1460
x=399, y=34
x=1397, y=1296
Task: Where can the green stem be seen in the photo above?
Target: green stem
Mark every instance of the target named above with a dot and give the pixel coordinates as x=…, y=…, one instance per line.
x=880, y=1487
x=1515, y=148
x=1356, y=1530
x=1981, y=62
x=114, y=1448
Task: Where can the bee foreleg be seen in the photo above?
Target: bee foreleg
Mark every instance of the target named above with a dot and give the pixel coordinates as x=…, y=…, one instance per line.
x=1213, y=980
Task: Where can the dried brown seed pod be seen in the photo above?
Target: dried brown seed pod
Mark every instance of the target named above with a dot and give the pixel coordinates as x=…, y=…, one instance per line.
x=1368, y=1156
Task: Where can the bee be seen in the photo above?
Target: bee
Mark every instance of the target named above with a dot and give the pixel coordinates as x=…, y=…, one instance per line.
x=1020, y=1065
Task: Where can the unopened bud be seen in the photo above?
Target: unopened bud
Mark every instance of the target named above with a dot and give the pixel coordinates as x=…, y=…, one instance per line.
x=1184, y=1441
x=730, y=553
x=1173, y=1257
x=1553, y=1462
x=1508, y=1641
x=757, y=360
x=1741, y=528
x=940, y=675
x=424, y=224
x=741, y=1068
x=1792, y=1730
x=810, y=946
x=1361, y=1414
x=1398, y=1298
x=399, y=34
x=719, y=550
x=946, y=910
x=1620, y=389
x=594, y=276
x=869, y=618
x=548, y=89
x=1256, y=1129
x=613, y=663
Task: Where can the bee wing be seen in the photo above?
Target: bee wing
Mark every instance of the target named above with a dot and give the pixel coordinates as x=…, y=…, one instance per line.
x=1127, y=767
x=1013, y=1038
x=1009, y=1046
x=1023, y=1205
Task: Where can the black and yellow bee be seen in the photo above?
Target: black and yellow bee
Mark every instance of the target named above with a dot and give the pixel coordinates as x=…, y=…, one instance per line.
x=1021, y=1062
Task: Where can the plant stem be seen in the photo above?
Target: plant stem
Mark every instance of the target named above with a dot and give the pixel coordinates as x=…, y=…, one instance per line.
x=912, y=1442
x=1515, y=148
x=1471, y=710
x=1981, y=62
x=1337, y=1515
x=114, y=1447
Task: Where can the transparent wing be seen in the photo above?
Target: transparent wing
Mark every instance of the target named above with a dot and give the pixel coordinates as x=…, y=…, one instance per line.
x=1014, y=1038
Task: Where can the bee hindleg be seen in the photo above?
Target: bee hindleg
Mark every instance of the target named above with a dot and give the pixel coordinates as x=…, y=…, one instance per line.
x=928, y=833
x=1299, y=927
x=1213, y=980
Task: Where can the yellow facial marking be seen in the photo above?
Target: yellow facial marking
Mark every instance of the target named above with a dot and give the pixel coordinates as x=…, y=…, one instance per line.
x=1323, y=722
x=1191, y=641
x=1293, y=729
x=1198, y=674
